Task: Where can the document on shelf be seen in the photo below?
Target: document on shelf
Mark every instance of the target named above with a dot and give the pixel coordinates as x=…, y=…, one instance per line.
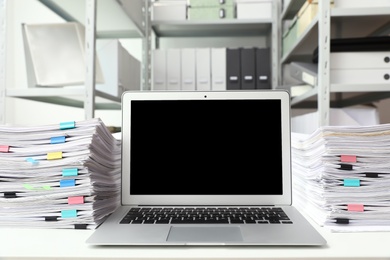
x=341, y=176
x=58, y=176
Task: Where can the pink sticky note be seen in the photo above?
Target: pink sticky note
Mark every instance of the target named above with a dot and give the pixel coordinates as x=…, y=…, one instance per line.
x=4, y=148
x=356, y=207
x=76, y=200
x=348, y=158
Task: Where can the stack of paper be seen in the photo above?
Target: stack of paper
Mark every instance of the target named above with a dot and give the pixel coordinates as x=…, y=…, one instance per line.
x=58, y=176
x=341, y=176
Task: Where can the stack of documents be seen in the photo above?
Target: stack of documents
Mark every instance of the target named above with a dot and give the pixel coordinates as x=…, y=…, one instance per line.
x=58, y=176
x=341, y=176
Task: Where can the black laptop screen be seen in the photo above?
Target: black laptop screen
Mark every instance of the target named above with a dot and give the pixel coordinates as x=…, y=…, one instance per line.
x=206, y=147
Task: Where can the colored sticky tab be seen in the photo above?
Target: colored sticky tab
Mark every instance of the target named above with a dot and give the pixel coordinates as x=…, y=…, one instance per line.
x=69, y=213
x=371, y=174
x=76, y=200
x=80, y=226
x=4, y=148
x=54, y=156
x=348, y=158
x=67, y=125
x=70, y=172
x=342, y=221
x=32, y=161
x=51, y=218
x=67, y=183
x=356, y=207
x=57, y=140
x=351, y=182
x=346, y=167
x=30, y=187
x=9, y=195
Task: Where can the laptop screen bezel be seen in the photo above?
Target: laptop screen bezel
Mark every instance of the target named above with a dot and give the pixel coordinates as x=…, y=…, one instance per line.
x=284, y=199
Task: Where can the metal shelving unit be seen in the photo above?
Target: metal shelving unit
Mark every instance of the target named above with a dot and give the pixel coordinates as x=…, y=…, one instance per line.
x=268, y=28
x=92, y=14
x=331, y=23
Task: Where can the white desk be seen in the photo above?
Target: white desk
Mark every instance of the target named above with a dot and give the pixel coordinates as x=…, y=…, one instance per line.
x=64, y=244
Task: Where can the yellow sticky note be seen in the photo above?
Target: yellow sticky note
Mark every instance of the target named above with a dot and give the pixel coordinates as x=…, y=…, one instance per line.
x=54, y=155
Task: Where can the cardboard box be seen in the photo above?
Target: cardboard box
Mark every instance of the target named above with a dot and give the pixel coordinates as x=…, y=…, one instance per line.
x=254, y=9
x=120, y=69
x=306, y=14
x=169, y=10
x=215, y=3
x=211, y=12
x=289, y=37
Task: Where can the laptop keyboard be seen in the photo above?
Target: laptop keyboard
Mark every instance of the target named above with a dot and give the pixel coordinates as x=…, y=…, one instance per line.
x=253, y=215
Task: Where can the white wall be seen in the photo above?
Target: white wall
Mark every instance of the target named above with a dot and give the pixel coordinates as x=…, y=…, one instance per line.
x=27, y=112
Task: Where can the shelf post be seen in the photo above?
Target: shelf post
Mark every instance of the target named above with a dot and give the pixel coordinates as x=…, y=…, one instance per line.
x=2, y=59
x=146, y=47
x=324, y=38
x=90, y=47
x=276, y=42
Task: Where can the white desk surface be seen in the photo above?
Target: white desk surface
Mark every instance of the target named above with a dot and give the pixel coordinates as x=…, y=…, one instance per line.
x=16, y=243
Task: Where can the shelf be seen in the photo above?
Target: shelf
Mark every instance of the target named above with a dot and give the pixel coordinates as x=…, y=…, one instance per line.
x=231, y=28
x=309, y=100
x=372, y=11
x=346, y=22
x=292, y=9
x=106, y=27
x=342, y=23
x=305, y=43
x=66, y=96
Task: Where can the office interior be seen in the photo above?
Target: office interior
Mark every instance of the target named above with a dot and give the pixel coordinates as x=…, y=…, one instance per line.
x=26, y=243
x=21, y=111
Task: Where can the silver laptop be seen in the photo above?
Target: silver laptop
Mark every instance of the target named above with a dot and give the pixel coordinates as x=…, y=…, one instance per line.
x=206, y=168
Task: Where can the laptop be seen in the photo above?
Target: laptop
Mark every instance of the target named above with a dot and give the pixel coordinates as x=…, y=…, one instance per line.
x=206, y=168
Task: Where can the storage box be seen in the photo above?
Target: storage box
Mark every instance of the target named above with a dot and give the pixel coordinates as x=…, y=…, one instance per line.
x=289, y=37
x=55, y=54
x=159, y=69
x=215, y=3
x=307, y=13
x=120, y=69
x=360, y=76
x=188, y=71
x=211, y=13
x=361, y=3
x=254, y=9
x=174, y=69
x=360, y=60
x=169, y=10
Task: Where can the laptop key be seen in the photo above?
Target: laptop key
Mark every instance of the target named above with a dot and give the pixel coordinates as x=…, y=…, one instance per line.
x=162, y=221
x=149, y=221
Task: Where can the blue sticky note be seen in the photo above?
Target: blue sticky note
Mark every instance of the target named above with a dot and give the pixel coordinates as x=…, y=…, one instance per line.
x=67, y=125
x=32, y=161
x=69, y=213
x=67, y=183
x=351, y=182
x=57, y=140
x=70, y=172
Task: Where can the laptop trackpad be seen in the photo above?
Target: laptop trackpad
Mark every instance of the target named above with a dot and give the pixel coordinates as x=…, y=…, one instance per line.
x=204, y=234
